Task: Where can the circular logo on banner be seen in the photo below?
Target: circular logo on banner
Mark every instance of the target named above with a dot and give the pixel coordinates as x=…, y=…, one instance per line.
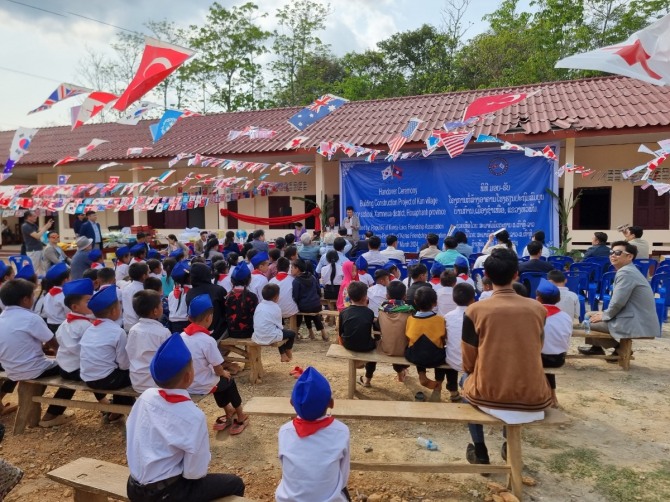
x=498, y=166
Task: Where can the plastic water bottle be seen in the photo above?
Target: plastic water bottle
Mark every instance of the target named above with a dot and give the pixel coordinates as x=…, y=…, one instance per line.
x=587, y=323
x=426, y=443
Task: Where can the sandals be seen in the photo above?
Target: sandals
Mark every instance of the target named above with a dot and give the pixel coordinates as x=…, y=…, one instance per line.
x=363, y=382
x=223, y=422
x=58, y=420
x=238, y=427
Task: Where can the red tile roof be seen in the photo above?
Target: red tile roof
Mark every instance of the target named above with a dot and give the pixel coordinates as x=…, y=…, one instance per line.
x=606, y=103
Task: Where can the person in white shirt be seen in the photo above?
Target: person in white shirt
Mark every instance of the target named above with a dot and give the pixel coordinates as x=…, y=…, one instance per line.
x=431, y=251
x=122, y=260
x=137, y=272
x=362, y=270
x=167, y=443
x=374, y=256
x=260, y=262
x=557, y=332
x=569, y=302
x=284, y=280
x=53, y=306
x=377, y=293
x=339, y=245
x=145, y=337
x=22, y=335
x=445, y=296
x=464, y=295
x=392, y=251
x=210, y=377
x=538, y=237
x=103, y=359
x=332, y=276
x=487, y=289
x=178, y=310
x=314, y=446
x=267, y=323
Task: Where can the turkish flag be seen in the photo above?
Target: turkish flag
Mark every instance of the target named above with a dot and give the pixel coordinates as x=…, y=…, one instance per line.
x=644, y=56
x=159, y=60
x=490, y=104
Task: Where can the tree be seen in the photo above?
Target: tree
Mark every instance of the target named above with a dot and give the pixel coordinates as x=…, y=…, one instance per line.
x=368, y=76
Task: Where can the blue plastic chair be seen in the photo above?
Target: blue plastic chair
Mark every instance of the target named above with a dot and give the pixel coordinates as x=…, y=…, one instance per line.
x=20, y=261
x=578, y=282
x=428, y=262
x=660, y=284
x=561, y=262
x=663, y=267
x=532, y=280
x=403, y=271
x=473, y=258
x=524, y=258
x=645, y=265
x=595, y=272
x=606, y=286
x=371, y=270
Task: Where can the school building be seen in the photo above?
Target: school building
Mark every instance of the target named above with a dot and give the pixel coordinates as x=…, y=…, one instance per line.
x=597, y=123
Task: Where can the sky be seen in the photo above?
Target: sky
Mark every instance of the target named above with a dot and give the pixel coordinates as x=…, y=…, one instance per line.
x=43, y=45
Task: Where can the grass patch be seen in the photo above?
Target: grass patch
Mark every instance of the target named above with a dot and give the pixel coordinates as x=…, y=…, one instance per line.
x=616, y=484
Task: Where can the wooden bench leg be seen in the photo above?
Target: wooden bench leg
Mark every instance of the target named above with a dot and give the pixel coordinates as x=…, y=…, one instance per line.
x=514, y=460
x=254, y=355
x=83, y=496
x=625, y=350
x=293, y=324
x=352, y=379
x=29, y=412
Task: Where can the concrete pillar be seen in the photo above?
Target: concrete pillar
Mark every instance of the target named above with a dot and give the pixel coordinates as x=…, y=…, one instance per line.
x=320, y=178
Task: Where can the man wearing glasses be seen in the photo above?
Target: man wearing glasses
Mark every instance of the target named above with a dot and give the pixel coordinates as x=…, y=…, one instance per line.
x=631, y=312
x=53, y=254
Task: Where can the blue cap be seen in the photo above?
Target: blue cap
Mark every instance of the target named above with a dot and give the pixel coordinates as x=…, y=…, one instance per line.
x=154, y=254
x=3, y=268
x=103, y=299
x=361, y=263
x=94, y=254
x=137, y=248
x=199, y=305
x=389, y=265
x=461, y=262
x=27, y=272
x=436, y=269
x=259, y=258
x=547, y=288
x=241, y=272
x=122, y=251
x=78, y=287
x=180, y=270
x=170, y=358
x=56, y=271
x=311, y=395
x=177, y=253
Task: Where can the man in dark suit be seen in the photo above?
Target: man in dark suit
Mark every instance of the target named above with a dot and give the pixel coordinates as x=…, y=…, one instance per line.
x=534, y=264
x=91, y=229
x=360, y=247
x=78, y=222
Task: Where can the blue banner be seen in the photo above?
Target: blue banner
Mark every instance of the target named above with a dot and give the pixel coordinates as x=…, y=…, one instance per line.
x=478, y=192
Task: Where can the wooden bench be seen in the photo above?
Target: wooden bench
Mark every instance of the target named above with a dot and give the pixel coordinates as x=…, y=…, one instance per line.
x=422, y=412
x=30, y=396
x=624, y=352
x=249, y=353
x=95, y=480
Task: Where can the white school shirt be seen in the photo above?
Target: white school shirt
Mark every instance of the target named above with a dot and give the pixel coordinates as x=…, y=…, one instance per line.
x=314, y=468
x=286, y=304
x=326, y=272
x=103, y=349
x=54, y=306
x=467, y=280
x=374, y=257
x=366, y=279
x=557, y=333
x=38, y=308
x=454, y=323
x=267, y=323
x=144, y=339
x=445, y=300
x=436, y=285
x=257, y=283
x=178, y=309
x=121, y=272
x=130, y=318
x=69, y=336
x=393, y=253
x=485, y=295
x=166, y=439
x=376, y=295
x=569, y=303
x=119, y=296
x=226, y=283
x=22, y=333
x=205, y=356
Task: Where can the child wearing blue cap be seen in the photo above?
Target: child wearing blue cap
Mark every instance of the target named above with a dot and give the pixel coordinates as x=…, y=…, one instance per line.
x=139, y=253
x=240, y=304
x=363, y=276
x=435, y=273
x=122, y=261
x=557, y=332
x=23, y=337
x=210, y=377
x=307, y=296
x=260, y=262
x=177, y=306
x=54, y=306
x=167, y=443
x=104, y=361
x=138, y=272
x=462, y=269
x=314, y=446
x=96, y=258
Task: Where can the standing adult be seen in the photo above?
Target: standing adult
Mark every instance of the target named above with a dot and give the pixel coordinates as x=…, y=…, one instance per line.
x=352, y=224
x=78, y=222
x=32, y=233
x=80, y=261
x=52, y=253
x=258, y=242
x=91, y=229
x=634, y=236
x=632, y=310
x=600, y=247
x=175, y=245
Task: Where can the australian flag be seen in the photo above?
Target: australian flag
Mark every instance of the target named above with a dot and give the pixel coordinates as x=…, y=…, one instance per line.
x=321, y=107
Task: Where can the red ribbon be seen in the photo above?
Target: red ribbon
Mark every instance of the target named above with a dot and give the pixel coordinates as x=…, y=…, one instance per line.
x=277, y=220
x=173, y=398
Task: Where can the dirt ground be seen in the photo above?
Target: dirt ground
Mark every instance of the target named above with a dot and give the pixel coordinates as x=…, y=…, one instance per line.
x=617, y=447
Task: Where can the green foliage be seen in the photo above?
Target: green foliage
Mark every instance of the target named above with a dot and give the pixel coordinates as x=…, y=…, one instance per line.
x=565, y=207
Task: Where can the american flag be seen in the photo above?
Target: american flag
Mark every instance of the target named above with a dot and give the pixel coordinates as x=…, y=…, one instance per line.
x=455, y=142
x=396, y=142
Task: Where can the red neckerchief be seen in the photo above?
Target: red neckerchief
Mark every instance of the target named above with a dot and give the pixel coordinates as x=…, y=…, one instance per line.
x=193, y=329
x=74, y=317
x=222, y=277
x=281, y=276
x=178, y=291
x=435, y=280
x=97, y=265
x=551, y=310
x=306, y=428
x=393, y=277
x=55, y=290
x=98, y=322
x=173, y=398
x=138, y=260
x=464, y=277
x=257, y=272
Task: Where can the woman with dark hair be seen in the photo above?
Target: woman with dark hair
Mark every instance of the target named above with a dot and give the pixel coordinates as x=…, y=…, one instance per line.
x=538, y=237
x=463, y=247
x=175, y=245
x=166, y=279
x=502, y=237
x=211, y=251
x=229, y=244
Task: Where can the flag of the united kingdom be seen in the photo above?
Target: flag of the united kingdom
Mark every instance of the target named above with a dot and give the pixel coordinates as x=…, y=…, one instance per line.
x=61, y=92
